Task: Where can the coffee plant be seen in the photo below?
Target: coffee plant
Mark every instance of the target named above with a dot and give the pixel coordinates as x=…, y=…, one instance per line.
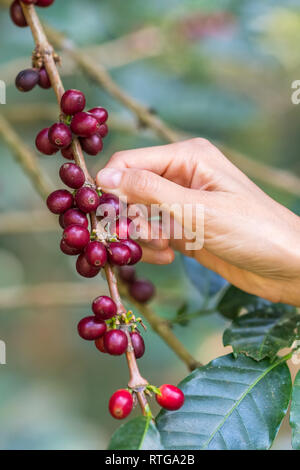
x=237, y=401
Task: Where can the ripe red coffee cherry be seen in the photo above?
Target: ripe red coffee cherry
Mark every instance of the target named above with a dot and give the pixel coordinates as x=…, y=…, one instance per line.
x=120, y=404
x=138, y=344
x=74, y=217
x=104, y=307
x=60, y=201
x=91, y=328
x=72, y=102
x=100, y=114
x=61, y=220
x=109, y=206
x=142, y=290
x=67, y=250
x=124, y=227
x=127, y=273
x=92, y=145
x=87, y=199
x=44, y=3
x=99, y=343
x=118, y=254
x=68, y=153
x=84, y=125
x=44, y=80
x=27, y=79
x=76, y=236
x=115, y=342
x=172, y=398
x=17, y=15
x=72, y=175
x=84, y=268
x=60, y=135
x=96, y=255
x=43, y=143
x=136, y=251
x=103, y=130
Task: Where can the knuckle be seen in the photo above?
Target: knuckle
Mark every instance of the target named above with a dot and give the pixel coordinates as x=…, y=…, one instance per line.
x=202, y=143
x=144, y=182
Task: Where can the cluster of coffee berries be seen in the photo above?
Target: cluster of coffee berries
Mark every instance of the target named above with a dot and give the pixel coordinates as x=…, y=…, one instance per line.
x=141, y=290
x=27, y=79
x=89, y=126
x=16, y=12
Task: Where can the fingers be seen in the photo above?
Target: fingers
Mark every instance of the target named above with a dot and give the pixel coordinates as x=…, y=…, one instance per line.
x=158, y=256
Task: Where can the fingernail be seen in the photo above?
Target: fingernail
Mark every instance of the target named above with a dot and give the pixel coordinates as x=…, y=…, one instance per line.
x=109, y=178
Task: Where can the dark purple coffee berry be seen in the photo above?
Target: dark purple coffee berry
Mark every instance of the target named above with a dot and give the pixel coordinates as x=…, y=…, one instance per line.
x=124, y=227
x=138, y=344
x=115, y=342
x=44, y=3
x=142, y=290
x=76, y=236
x=72, y=175
x=96, y=255
x=109, y=206
x=118, y=254
x=60, y=201
x=72, y=102
x=43, y=143
x=100, y=114
x=84, y=268
x=84, y=125
x=61, y=220
x=91, y=328
x=104, y=307
x=92, y=145
x=27, y=79
x=127, y=273
x=60, y=135
x=17, y=15
x=68, y=153
x=74, y=217
x=103, y=130
x=87, y=199
x=136, y=251
x=67, y=250
x=44, y=80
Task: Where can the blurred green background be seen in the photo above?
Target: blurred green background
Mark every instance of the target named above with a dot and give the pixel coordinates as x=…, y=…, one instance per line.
x=221, y=69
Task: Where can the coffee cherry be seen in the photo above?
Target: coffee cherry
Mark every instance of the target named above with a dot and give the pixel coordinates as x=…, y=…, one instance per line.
x=104, y=307
x=99, y=343
x=103, y=130
x=120, y=404
x=76, y=236
x=127, y=273
x=138, y=344
x=60, y=201
x=27, y=79
x=172, y=398
x=92, y=145
x=60, y=135
x=124, y=226
x=115, y=342
x=84, y=268
x=87, y=199
x=61, y=220
x=74, y=217
x=91, y=328
x=72, y=102
x=100, y=114
x=68, y=153
x=96, y=255
x=142, y=290
x=118, y=254
x=109, y=206
x=67, y=250
x=84, y=125
x=44, y=80
x=43, y=143
x=17, y=15
x=136, y=251
x=44, y=3
x=72, y=175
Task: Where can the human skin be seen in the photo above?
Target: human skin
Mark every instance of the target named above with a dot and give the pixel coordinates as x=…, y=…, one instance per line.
x=249, y=238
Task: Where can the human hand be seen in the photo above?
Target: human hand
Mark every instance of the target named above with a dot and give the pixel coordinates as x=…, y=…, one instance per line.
x=249, y=239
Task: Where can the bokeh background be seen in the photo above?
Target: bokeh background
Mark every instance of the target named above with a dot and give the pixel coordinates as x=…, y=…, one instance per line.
x=221, y=69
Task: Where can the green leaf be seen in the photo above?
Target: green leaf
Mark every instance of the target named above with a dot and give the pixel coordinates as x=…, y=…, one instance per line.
x=230, y=404
x=263, y=333
x=138, y=434
x=295, y=413
x=234, y=300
